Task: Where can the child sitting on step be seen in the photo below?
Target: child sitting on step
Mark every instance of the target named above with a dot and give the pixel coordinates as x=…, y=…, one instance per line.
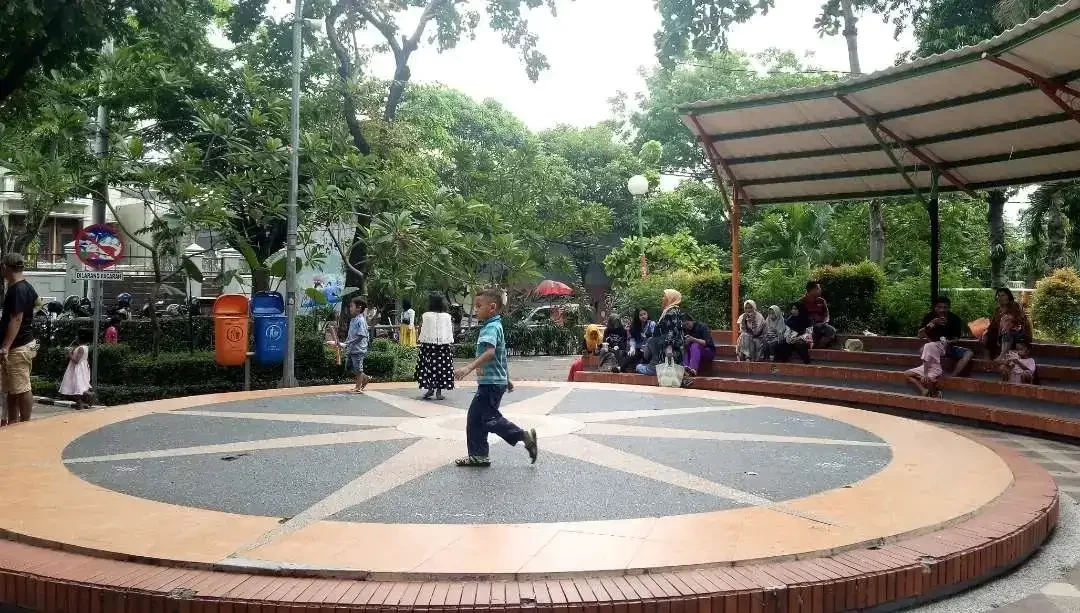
x=925, y=377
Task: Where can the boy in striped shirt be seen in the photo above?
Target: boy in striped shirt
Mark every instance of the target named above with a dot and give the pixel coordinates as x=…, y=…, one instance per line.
x=493, y=380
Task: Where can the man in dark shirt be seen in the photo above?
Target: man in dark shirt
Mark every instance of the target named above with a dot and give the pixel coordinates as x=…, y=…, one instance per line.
x=700, y=347
x=17, y=344
x=814, y=307
x=943, y=323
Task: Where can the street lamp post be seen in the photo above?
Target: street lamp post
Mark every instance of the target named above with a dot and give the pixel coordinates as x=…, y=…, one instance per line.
x=638, y=186
x=288, y=375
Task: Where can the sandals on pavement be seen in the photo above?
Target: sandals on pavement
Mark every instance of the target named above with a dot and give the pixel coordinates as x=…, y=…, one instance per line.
x=473, y=461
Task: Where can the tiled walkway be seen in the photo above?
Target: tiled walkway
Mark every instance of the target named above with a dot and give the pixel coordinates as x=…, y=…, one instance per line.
x=1062, y=594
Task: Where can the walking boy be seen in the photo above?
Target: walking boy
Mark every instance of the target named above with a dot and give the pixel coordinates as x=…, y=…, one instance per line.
x=356, y=344
x=493, y=380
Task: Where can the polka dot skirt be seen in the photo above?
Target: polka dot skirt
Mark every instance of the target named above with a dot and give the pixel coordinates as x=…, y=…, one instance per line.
x=435, y=368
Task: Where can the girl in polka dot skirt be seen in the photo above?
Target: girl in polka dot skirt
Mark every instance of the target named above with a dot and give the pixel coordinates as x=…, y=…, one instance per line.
x=435, y=368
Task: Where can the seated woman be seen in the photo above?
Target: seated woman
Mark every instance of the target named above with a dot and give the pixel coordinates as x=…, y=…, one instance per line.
x=776, y=332
x=1009, y=323
x=751, y=333
x=613, y=349
x=799, y=337
x=668, y=337
x=699, y=344
x=641, y=330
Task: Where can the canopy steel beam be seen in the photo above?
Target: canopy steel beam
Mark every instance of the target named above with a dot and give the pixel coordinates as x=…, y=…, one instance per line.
x=718, y=162
x=877, y=129
x=1051, y=88
x=874, y=127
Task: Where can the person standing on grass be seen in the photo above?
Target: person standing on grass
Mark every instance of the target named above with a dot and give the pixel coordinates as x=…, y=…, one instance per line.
x=815, y=308
x=493, y=380
x=943, y=323
x=435, y=367
x=18, y=346
x=356, y=344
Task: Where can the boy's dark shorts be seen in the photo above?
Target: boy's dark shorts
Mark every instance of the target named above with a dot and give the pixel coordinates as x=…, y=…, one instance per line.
x=355, y=363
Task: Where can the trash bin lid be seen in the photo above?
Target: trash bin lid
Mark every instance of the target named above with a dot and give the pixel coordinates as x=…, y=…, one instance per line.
x=267, y=303
x=231, y=304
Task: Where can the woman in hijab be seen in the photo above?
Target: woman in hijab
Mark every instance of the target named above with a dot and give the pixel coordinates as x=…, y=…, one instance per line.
x=1008, y=324
x=775, y=334
x=669, y=333
x=751, y=333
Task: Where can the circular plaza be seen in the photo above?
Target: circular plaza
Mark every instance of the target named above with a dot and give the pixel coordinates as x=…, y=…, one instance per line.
x=324, y=485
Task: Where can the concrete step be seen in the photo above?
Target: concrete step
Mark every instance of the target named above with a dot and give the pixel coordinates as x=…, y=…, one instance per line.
x=831, y=374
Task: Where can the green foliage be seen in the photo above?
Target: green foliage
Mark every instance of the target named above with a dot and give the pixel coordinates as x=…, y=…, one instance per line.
x=902, y=304
x=694, y=27
x=1056, y=305
x=694, y=207
x=664, y=253
x=791, y=239
x=706, y=296
x=852, y=292
x=776, y=287
x=711, y=76
x=529, y=340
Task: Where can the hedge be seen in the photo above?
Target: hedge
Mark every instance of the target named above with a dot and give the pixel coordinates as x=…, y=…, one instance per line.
x=1056, y=305
x=127, y=374
x=852, y=293
x=525, y=340
x=706, y=296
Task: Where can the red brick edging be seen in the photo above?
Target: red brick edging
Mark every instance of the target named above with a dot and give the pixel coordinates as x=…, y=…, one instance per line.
x=999, y=536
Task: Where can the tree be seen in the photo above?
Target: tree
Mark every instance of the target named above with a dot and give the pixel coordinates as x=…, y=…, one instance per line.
x=664, y=253
x=49, y=35
x=721, y=74
x=697, y=27
x=48, y=158
x=792, y=239
x=995, y=221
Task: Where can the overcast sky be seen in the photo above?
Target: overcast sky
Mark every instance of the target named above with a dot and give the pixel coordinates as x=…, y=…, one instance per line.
x=597, y=47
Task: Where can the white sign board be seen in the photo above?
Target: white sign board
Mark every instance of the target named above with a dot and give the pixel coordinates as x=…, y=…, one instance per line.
x=98, y=275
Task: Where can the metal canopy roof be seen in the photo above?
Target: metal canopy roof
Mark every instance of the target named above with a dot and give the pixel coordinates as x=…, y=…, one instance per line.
x=1003, y=112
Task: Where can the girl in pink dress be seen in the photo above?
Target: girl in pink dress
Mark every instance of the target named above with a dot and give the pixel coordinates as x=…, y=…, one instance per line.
x=925, y=377
x=76, y=382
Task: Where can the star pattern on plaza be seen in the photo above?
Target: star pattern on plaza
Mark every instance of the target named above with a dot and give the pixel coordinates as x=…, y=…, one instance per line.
x=437, y=434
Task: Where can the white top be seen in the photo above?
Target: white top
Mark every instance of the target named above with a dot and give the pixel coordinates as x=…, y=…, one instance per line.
x=436, y=329
x=408, y=318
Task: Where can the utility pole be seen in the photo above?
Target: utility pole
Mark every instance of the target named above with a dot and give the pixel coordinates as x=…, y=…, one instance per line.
x=100, y=199
x=288, y=376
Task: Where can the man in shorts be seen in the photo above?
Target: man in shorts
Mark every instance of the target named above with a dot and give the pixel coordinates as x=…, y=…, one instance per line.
x=943, y=323
x=17, y=344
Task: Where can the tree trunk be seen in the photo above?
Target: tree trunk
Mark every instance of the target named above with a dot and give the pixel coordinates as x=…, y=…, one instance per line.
x=852, y=36
x=260, y=281
x=155, y=324
x=877, y=215
x=995, y=218
x=1057, y=256
x=345, y=74
x=877, y=232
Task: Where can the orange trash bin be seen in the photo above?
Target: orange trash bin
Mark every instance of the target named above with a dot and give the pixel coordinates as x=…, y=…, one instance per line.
x=231, y=329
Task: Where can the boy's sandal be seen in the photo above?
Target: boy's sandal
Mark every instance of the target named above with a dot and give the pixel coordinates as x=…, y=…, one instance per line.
x=473, y=461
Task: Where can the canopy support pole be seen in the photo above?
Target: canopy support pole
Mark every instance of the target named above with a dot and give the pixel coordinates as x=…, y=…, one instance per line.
x=738, y=195
x=878, y=129
x=935, y=236
x=736, y=266
x=1049, y=87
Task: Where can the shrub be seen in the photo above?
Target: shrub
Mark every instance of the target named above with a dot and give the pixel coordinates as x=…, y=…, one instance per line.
x=525, y=340
x=776, y=287
x=1056, y=305
x=706, y=296
x=852, y=292
x=901, y=306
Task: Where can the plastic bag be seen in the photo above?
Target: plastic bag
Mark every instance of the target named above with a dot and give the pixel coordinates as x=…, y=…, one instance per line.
x=669, y=374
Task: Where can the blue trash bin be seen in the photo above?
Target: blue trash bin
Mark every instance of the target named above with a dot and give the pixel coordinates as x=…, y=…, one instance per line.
x=268, y=311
